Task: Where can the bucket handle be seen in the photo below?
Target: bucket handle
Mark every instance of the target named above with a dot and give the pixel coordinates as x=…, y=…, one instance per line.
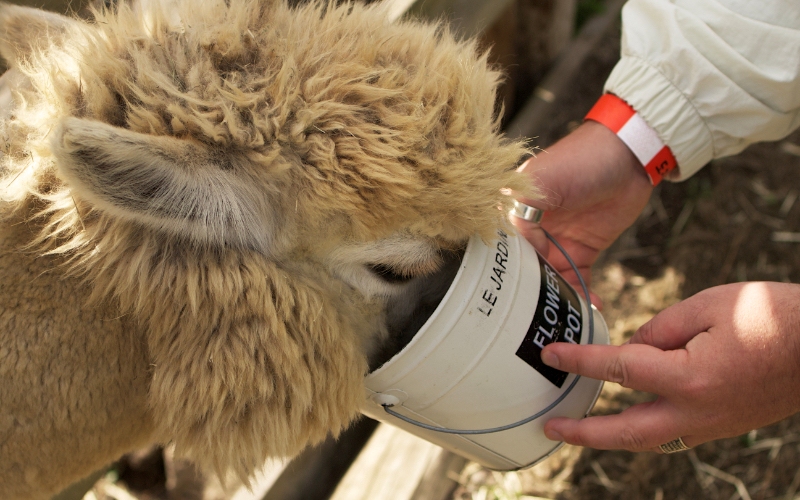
x=388, y=407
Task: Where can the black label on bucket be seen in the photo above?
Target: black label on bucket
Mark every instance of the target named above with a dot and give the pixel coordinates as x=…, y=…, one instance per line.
x=557, y=319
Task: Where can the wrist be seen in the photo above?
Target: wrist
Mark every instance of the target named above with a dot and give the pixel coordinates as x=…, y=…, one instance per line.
x=589, y=165
x=614, y=154
x=617, y=168
x=643, y=141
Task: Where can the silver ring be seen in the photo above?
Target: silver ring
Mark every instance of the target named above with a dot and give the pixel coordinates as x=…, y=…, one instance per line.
x=673, y=446
x=527, y=212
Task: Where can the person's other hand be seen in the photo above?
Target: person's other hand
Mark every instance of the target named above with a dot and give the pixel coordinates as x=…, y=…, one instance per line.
x=722, y=362
x=594, y=188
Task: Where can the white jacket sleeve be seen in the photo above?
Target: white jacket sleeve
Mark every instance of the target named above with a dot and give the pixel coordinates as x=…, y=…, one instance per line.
x=711, y=76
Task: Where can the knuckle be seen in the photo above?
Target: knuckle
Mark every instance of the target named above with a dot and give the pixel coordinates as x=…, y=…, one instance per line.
x=699, y=387
x=632, y=440
x=695, y=388
x=617, y=371
x=646, y=333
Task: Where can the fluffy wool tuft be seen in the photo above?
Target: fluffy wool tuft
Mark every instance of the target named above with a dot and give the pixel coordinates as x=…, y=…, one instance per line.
x=188, y=167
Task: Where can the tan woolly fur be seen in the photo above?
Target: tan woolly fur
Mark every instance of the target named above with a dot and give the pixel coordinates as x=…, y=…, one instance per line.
x=194, y=200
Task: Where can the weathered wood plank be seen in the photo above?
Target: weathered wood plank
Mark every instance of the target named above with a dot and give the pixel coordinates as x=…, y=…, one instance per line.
x=262, y=483
x=316, y=472
x=537, y=109
x=470, y=17
x=525, y=36
x=439, y=480
x=398, y=8
x=395, y=464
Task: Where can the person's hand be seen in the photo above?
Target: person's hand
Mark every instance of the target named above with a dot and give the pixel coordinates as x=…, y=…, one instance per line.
x=594, y=188
x=722, y=362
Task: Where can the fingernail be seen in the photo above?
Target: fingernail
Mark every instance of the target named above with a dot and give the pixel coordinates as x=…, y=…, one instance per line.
x=553, y=435
x=550, y=359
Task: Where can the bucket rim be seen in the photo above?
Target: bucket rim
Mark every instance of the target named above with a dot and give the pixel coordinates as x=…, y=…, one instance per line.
x=470, y=255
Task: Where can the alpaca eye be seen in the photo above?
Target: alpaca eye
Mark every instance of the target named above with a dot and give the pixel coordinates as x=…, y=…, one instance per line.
x=388, y=274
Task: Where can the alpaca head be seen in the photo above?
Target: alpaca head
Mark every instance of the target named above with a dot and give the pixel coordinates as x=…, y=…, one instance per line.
x=266, y=187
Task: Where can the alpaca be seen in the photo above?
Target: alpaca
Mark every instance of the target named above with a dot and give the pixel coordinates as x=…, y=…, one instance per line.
x=214, y=215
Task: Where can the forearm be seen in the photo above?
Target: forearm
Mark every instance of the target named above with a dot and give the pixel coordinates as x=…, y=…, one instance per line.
x=710, y=76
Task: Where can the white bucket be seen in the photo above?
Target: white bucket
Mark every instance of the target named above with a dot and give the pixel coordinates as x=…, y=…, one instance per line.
x=475, y=366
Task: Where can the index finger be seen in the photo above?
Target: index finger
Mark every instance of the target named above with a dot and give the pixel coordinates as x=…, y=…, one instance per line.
x=637, y=366
x=676, y=325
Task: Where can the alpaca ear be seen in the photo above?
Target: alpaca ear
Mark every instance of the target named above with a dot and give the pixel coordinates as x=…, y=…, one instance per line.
x=165, y=183
x=24, y=30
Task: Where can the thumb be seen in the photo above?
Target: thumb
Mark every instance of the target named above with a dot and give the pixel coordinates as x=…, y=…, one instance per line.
x=532, y=232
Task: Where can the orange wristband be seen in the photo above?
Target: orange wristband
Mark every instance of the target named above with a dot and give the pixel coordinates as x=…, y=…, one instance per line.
x=640, y=138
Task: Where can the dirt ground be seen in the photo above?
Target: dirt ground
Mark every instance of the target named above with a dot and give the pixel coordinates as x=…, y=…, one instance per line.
x=736, y=220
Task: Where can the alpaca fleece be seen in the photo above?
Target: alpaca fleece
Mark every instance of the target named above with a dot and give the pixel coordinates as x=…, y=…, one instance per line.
x=174, y=180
